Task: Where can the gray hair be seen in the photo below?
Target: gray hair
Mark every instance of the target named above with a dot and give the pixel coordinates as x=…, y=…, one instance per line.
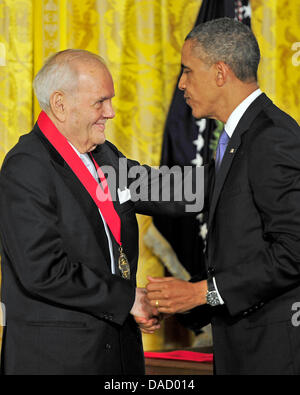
x=228, y=41
x=59, y=74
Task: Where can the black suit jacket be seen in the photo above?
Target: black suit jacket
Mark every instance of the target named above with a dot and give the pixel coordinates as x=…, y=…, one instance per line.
x=66, y=312
x=253, y=245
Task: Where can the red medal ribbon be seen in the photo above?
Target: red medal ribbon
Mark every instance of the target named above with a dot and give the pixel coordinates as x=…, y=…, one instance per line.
x=62, y=146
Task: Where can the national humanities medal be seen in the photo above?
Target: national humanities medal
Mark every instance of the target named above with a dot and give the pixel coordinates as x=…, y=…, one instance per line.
x=124, y=265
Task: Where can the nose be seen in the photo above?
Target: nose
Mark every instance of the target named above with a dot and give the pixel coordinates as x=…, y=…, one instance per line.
x=181, y=83
x=109, y=111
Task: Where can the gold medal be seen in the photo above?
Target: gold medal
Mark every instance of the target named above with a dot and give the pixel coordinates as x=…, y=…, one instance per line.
x=124, y=265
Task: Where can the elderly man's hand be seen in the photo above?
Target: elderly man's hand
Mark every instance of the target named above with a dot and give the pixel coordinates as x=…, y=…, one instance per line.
x=148, y=326
x=170, y=295
x=146, y=316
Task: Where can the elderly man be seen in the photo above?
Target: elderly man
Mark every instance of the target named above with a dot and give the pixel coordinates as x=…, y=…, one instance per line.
x=253, y=243
x=69, y=257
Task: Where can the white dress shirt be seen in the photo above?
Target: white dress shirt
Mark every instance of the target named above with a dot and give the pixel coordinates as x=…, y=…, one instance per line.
x=90, y=166
x=230, y=127
x=240, y=110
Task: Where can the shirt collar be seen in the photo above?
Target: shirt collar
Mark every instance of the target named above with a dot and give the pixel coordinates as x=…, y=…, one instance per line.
x=77, y=152
x=239, y=111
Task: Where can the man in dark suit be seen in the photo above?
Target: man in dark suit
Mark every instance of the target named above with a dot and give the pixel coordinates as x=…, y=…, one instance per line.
x=253, y=242
x=69, y=260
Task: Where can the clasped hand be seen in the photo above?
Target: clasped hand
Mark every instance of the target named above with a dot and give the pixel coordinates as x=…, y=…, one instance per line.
x=170, y=295
x=146, y=316
x=166, y=296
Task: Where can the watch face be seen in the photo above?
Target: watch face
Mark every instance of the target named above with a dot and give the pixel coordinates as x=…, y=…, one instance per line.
x=212, y=298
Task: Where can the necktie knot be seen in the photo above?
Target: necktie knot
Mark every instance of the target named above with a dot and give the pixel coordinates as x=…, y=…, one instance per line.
x=224, y=138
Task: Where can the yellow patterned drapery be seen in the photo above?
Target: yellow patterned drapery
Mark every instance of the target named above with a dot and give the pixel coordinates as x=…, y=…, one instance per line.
x=141, y=41
x=276, y=24
x=16, y=72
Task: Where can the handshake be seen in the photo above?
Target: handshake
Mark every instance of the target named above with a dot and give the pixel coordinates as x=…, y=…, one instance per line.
x=165, y=296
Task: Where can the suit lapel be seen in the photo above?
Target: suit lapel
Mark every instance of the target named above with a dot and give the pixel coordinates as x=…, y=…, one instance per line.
x=244, y=124
x=220, y=177
x=79, y=192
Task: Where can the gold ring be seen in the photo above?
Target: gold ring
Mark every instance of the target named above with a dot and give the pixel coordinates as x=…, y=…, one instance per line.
x=156, y=303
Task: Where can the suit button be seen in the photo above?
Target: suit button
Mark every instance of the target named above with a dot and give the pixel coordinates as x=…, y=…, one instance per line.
x=108, y=346
x=211, y=271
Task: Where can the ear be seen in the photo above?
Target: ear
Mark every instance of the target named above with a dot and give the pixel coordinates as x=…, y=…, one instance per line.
x=222, y=73
x=58, y=105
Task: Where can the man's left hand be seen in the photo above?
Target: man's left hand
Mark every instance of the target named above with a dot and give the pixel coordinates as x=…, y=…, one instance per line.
x=170, y=295
x=148, y=326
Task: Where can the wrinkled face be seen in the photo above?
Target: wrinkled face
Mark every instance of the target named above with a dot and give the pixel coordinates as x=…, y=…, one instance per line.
x=198, y=81
x=89, y=107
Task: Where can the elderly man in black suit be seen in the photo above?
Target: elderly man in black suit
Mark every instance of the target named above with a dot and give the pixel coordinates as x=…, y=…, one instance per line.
x=70, y=235
x=253, y=242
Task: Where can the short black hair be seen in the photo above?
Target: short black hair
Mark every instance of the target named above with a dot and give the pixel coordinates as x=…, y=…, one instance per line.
x=229, y=41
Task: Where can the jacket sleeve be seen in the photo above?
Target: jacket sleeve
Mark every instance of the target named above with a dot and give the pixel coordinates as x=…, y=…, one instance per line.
x=174, y=192
x=274, y=178
x=31, y=240
x=198, y=317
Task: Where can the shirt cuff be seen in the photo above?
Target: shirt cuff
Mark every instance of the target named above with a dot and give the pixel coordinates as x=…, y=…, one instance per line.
x=216, y=288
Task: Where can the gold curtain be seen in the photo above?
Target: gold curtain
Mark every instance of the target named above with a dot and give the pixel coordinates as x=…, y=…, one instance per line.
x=141, y=41
x=276, y=24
